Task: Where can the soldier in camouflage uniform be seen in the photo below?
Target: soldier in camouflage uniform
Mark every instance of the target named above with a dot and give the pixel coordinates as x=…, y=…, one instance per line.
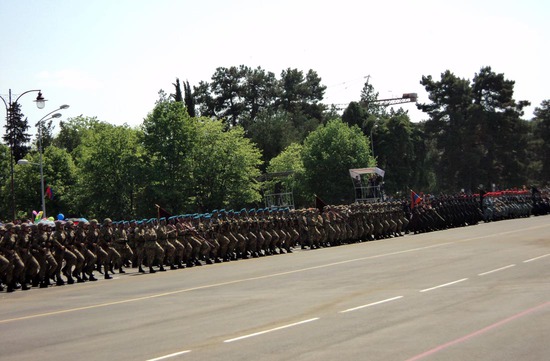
x=43, y=254
x=179, y=255
x=140, y=237
x=120, y=244
x=153, y=251
x=24, y=250
x=162, y=240
x=8, y=249
x=81, y=244
x=71, y=247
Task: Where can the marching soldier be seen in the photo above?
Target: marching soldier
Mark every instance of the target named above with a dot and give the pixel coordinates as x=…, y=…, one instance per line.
x=24, y=250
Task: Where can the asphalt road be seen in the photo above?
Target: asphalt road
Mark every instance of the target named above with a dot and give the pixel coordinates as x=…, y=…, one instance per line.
x=473, y=293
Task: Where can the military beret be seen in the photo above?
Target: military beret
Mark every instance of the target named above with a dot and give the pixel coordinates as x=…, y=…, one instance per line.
x=162, y=219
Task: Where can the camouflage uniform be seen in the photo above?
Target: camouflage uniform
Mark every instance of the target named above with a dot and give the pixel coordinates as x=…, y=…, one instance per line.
x=162, y=240
x=71, y=246
x=120, y=244
x=81, y=245
x=24, y=250
x=153, y=251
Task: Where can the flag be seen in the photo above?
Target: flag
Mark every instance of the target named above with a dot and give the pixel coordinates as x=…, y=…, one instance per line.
x=161, y=212
x=415, y=199
x=319, y=204
x=49, y=192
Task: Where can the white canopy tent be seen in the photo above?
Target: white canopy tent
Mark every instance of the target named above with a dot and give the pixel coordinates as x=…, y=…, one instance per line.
x=368, y=184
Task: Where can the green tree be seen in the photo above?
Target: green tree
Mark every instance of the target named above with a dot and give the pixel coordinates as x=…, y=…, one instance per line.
x=110, y=170
x=479, y=134
x=273, y=132
x=5, y=183
x=71, y=132
x=224, y=167
x=355, y=114
x=368, y=101
x=223, y=98
x=542, y=134
x=449, y=125
x=500, y=133
x=178, y=95
x=169, y=136
x=189, y=99
x=301, y=95
x=17, y=135
x=328, y=154
x=59, y=174
x=394, y=151
x=290, y=160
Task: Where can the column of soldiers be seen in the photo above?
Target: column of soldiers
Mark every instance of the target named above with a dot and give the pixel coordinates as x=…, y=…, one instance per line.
x=38, y=255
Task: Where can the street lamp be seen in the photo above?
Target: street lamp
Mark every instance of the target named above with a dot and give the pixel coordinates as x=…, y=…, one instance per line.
x=40, y=103
x=40, y=151
x=372, y=140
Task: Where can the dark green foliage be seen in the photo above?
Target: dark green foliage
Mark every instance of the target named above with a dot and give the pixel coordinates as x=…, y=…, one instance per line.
x=480, y=137
x=17, y=136
x=189, y=99
x=541, y=130
x=328, y=154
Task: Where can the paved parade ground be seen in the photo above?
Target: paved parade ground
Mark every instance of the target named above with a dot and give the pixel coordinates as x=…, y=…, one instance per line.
x=471, y=293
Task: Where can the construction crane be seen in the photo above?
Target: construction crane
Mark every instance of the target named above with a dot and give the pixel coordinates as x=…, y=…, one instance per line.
x=405, y=98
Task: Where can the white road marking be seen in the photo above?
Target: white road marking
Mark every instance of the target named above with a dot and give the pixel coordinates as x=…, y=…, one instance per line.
x=496, y=270
x=271, y=330
x=536, y=258
x=168, y=356
x=371, y=304
x=443, y=285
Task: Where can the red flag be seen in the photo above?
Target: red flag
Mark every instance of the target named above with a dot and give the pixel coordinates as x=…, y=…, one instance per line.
x=415, y=199
x=161, y=212
x=319, y=204
x=49, y=192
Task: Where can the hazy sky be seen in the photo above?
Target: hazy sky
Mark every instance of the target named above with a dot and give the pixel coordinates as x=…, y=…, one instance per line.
x=109, y=58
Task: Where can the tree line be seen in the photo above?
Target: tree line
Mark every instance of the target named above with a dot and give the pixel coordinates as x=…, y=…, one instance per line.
x=205, y=147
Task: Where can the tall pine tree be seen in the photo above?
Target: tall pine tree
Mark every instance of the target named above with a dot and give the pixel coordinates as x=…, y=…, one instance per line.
x=16, y=135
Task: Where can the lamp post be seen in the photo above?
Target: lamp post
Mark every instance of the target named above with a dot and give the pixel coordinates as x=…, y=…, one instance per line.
x=372, y=140
x=39, y=124
x=40, y=103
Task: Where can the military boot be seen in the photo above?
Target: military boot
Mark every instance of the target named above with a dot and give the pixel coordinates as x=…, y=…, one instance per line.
x=151, y=270
x=70, y=279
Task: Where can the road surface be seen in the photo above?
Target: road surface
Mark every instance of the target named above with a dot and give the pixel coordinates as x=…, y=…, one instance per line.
x=471, y=293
